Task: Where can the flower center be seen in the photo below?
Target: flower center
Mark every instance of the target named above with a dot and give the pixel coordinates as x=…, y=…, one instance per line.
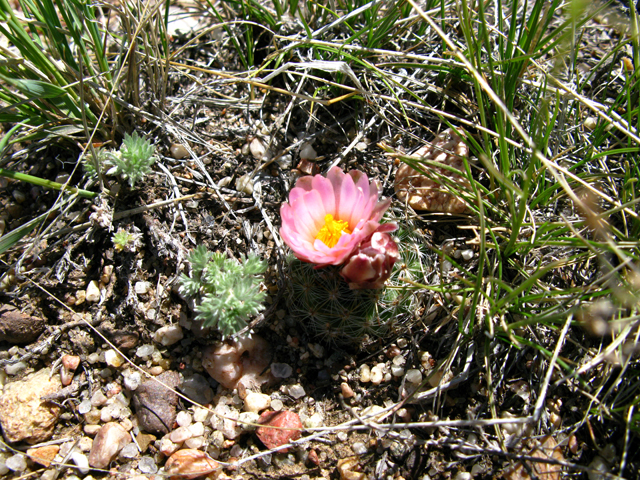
x=332, y=230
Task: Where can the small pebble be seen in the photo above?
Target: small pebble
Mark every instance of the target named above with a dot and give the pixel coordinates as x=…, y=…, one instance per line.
x=463, y=476
x=16, y=463
x=466, y=255
x=376, y=376
x=132, y=379
x=180, y=434
x=183, y=419
x=308, y=152
x=129, y=451
x=598, y=467
x=200, y=414
x=168, y=335
x=256, y=402
x=84, y=406
x=343, y=436
x=16, y=368
x=145, y=351
x=147, y=465
x=296, y=391
x=347, y=391
x=196, y=429
x=281, y=370
x=359, y=448
x=178, y=152
x=365, y=374
x=257, y=148
x=141, y=288
x=92, y=293
x=113, y=358
x=81, y=461
x=413, y=376
x=277, y=405
x=397, y=371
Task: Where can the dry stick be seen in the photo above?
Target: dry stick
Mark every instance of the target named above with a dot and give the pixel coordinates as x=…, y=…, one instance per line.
x=176, y=192
x=545, y=384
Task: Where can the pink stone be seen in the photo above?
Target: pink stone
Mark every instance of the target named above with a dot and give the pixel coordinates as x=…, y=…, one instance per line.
x=108, y=442
x=275, y=437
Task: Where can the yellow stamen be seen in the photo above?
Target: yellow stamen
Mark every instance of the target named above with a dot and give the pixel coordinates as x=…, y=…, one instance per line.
x=332, y=230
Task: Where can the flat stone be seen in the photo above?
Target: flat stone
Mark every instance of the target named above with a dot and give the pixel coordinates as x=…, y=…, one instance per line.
x=17, y=327
x=43, y=455
x=111, y=438
x=23, y=416
x=189, y=463
x=288, y=424
x=155, y=405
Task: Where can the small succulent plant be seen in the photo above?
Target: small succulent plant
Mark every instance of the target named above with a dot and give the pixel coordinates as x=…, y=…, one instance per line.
x=133, y=161
x=321, y=300
x=125, y=241
x=226, y=292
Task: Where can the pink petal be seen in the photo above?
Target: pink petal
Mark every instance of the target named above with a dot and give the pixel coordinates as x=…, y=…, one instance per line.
x=325, y=188
x=346, y=200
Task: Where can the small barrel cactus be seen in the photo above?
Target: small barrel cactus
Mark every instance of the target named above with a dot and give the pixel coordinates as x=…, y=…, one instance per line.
x=325, y=305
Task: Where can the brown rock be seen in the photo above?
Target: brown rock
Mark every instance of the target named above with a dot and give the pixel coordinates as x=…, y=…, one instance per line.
x=288, y=426
x=155, y=405
x=111, y=438
x=43, y=455
x=190, y=463
x=241, y=360
x=18, y=327
x=23, y=415
x=348, y=468
x=432, y=191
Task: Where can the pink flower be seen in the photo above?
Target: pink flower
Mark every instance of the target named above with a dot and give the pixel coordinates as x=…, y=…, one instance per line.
x=371, y=264
x=326, y=219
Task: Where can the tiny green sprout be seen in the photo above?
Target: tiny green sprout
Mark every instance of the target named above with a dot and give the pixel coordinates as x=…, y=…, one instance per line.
x=227, y=292
x=125, y=241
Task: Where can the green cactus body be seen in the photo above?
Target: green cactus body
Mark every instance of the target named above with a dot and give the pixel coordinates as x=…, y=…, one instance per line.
x=323, y=303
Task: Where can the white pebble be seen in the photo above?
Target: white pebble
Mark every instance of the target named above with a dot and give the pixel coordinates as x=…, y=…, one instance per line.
x=132, y=379
x=256, y=402
x=376, y=375
x=183, y=419
x=314, y=421
x=247, y=421
x=147, y=465
x=93, y=292
x=84, y=406
x=113, y=358
x=196, y=429
x=141, y=288
x=15, y=368
x=359, y=448
x=81, y=461
x=467, y=255
x=145, y=351
x=180, y=434
x=365, y=373
x=200, y=414
x=17, y=463
x=343, y=436
x=397, y=371
x=277, y=405
x=308, y=152
x=296, y=391
x=257, y=148
x=168, y=335
x=413, y=376
x=244, y=184
x=194, y=442
x=130, y=450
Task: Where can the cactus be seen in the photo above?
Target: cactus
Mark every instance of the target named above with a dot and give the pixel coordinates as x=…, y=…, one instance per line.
x=325, y=305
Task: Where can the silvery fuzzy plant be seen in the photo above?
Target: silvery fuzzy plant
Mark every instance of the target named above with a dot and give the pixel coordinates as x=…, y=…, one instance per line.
x=321, y=300
x=132, y=161
x=226, y=292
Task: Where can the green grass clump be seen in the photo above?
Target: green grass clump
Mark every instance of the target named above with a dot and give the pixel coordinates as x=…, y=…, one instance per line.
x=227, y=292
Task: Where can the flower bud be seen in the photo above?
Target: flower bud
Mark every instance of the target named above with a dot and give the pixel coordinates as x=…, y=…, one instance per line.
x=371, y=264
